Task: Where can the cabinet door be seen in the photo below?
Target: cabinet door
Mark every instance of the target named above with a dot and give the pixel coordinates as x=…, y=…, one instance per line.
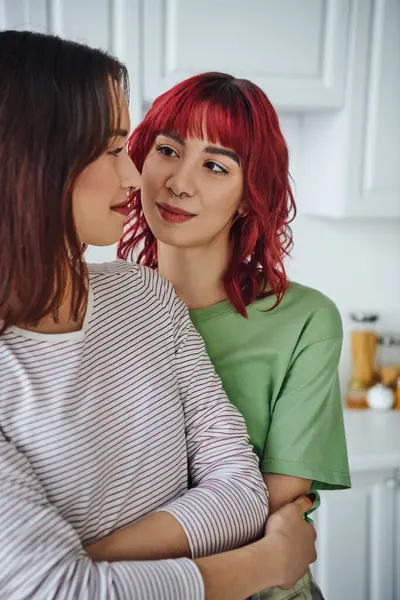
x=295, y=51
x=397, y=538
x=350, y=160
x=112, y=26
x=375, y=180
x=356, y=539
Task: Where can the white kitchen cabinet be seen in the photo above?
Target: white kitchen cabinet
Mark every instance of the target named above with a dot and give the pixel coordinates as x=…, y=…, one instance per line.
x=397, y=544
x=359, y=529
x=112, y=25
x=295, y=51
x=356, y=539
x=350, y=161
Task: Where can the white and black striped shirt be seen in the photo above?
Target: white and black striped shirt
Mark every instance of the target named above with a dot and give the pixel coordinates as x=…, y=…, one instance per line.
x=97, y=429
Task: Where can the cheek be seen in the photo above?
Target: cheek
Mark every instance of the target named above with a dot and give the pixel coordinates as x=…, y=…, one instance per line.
x=155, y=174
x=224, y=202
x=98, y=179
x=106, y=181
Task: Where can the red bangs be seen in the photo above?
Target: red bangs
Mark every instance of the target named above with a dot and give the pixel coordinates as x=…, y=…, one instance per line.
x=189, y=115
x=235, y=114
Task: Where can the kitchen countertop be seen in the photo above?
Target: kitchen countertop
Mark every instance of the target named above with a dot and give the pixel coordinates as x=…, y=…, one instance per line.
x=373, y=439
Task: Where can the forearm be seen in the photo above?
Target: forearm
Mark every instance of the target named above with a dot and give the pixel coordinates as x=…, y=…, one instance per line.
x=238, y=574
x=283, y=489
x=41, y=554
x=160, y=534
x=157, y=536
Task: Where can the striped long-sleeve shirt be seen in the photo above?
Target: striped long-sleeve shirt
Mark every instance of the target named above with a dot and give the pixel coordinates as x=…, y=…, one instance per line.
x=98, y=428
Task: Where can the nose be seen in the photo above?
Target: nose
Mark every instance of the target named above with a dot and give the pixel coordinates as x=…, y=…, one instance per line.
x=130, y=176
x=180, y=181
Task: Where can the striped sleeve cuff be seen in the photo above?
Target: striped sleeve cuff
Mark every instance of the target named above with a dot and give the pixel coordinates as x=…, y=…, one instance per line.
x=217, y=520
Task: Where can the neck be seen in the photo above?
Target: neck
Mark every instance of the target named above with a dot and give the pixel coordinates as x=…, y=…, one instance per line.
x=196, y=273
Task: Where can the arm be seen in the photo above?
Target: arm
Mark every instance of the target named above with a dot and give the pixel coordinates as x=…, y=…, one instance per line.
x=160, y=536
x=306, y=439
x=283, y=489
x=268, y=567
x=227, y=505
x=41, y=554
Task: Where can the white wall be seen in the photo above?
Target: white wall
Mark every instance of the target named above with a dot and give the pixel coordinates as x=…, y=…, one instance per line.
x=356, y=263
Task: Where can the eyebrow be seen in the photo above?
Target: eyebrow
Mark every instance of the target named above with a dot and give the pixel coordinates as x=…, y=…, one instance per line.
x=222, y=152
x=207, y=150
x=120, y=132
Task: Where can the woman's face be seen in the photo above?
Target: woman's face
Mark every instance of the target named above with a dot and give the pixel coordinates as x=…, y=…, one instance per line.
x=191, y=190
x=100, y=194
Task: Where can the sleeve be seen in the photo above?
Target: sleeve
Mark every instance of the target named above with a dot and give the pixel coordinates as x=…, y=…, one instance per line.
x=307, y=435
x=227, y=505
x=41, y=555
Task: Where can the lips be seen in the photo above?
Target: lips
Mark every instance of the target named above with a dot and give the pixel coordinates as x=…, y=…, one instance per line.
x=175, y=210
x=123, y=209
x=172, y=214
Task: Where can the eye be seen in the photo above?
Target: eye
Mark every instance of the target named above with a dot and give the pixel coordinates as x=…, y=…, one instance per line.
x=116, y=151
x=215, y=168
x=167, y=151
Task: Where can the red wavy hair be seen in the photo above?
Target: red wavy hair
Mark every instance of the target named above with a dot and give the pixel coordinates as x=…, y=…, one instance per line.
x=238, y=115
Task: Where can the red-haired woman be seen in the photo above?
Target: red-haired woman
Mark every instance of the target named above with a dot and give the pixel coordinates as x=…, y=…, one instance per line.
x=108, y=402
x=213, y=217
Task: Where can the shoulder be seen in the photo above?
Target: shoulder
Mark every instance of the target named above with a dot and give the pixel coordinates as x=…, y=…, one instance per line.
x=304, y=313
x=119, y=277
x=142, y=287
x=116, y=269
x=320, y=315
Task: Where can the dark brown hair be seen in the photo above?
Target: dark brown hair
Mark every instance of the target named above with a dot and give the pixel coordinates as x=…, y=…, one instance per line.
x=56, y=117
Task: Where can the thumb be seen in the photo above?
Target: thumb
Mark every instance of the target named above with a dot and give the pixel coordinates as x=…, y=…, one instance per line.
x=303, y=503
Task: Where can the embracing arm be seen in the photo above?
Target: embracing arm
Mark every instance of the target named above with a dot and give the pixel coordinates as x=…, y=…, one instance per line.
x=227, y=504
x=41, y=554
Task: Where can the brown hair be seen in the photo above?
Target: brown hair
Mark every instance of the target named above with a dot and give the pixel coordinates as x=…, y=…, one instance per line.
x=56, y=117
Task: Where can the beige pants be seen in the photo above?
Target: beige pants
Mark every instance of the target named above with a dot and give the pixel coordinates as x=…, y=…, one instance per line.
x=305, y=589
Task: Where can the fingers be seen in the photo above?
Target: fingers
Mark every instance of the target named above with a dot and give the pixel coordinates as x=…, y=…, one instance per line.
x=303, y=503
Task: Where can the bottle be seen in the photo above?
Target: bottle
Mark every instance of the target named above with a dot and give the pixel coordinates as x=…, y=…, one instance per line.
x=397, y=404
x=363, y=353
x=388, y=359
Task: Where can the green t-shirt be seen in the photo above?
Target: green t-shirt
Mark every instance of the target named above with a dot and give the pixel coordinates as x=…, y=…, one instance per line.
x=280, y=369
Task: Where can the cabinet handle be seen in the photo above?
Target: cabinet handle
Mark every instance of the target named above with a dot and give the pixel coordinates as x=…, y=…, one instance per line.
x=392, y=483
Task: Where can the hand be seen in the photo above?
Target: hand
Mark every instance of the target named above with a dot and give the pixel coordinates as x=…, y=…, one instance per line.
x=97, y=551
x=293, y=540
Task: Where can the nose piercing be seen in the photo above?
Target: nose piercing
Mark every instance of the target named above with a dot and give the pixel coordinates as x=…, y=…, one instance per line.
x=181, y=196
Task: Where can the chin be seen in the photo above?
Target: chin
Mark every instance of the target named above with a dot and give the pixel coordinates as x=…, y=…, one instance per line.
x=109, y=238
x=175, y=240
x=175, y=235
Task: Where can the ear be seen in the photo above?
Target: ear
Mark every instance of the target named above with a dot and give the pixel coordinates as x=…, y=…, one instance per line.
x=243, y=209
